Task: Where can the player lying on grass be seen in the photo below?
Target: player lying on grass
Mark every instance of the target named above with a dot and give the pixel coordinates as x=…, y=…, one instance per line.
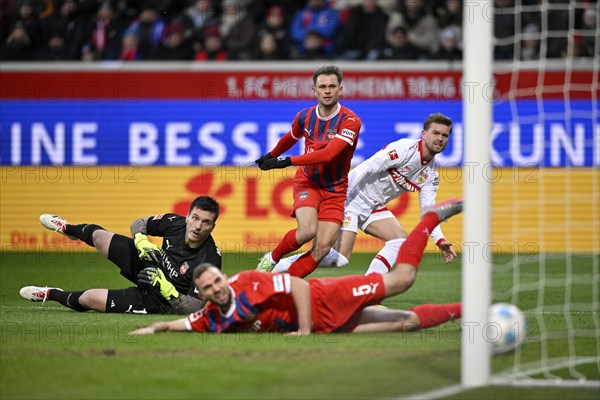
x=406, y=165
x=261, y=302
x=163, y=278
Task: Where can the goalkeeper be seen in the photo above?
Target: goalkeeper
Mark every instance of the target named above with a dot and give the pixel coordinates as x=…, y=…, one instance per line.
x=163, y=277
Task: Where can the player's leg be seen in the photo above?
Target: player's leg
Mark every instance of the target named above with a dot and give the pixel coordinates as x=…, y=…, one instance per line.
x=409, y=256
x=91, y=234
x=388, y=229
x=70, y=299
x=374, y=319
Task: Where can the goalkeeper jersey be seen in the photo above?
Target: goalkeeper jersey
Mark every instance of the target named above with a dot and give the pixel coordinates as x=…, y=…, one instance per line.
x=179, y=260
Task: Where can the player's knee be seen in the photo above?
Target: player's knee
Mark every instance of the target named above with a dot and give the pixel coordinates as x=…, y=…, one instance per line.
x=413, y=323
x=90, y=300
x=306, y=233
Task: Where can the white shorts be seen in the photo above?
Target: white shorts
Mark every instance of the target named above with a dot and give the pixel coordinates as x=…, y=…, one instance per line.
x=358, y=215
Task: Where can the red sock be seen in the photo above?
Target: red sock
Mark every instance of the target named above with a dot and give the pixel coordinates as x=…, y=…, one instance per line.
x=286, y=245
x=412, y=249
x=303, y=266
x=435, y=314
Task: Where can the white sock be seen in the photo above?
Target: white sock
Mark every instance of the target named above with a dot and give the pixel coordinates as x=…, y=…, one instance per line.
x=384, y=261
x=284, y=264
x=333, y=259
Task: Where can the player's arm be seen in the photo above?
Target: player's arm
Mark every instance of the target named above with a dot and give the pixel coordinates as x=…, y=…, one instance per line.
x=140, y=225
x=147, y=250
x=178, y=325
x=300, y=290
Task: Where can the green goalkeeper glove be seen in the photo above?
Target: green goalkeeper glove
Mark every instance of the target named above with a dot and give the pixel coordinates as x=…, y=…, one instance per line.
x=155, y=277
x=148, y=250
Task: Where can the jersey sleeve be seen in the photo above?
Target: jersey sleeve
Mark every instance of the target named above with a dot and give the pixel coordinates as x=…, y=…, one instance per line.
x=390, y=156
x=163, y=224
x=197, y=321
x=349, y=130
x=261, y=286
x=427, y=196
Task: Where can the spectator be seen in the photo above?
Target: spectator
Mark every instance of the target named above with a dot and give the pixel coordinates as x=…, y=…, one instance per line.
x=450, y=14
x=314, y=47
x=530, y=43
x=129, y=47
x=318, y=16
x=238, y=29
x=268, y=49
x=65, y=21
x=362, y=35
x=28, y=19
x=504, y=30
x=398, y=47
x=275, y=25
x=421, y=26
x=449, y=50
x=175, y=46
x=54, y=50
x=197, y=18
x=213, y=46
x=149, y=30
x=588, y=40
x=107, y=32
x=17, y=46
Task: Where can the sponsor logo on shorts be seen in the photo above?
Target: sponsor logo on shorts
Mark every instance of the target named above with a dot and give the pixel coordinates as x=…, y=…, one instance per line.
x=302, y=196
x=347, y=220
x=392, y=155
x=184, y=267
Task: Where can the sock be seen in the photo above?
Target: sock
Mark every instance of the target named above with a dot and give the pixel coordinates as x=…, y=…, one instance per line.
x=333, y=259
x=414, y=246
x=434, y=314
x=303, y=266
x=286, y=245
x=83, y=232
x=67, y=299
x=284, y=264
x=383, y=262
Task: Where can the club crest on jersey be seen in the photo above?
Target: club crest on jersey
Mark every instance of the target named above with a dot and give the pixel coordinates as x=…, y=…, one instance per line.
x=184, y=267
x=330, y=134
x=422, y=177
x=392, y=155
x=302, y=196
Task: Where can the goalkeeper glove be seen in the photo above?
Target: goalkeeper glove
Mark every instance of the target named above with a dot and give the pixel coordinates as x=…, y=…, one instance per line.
x=264, y=158
x=155, y=277
x=148, y=250
x=280, y=162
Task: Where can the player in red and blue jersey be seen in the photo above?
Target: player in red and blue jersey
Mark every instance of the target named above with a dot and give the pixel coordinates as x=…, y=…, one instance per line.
x=264, y=302
x=331, y=134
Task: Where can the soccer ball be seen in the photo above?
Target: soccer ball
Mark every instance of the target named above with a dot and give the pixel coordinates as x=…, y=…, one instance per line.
x=506, y=328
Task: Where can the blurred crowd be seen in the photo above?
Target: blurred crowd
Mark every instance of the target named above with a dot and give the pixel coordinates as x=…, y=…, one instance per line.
x=88, y=30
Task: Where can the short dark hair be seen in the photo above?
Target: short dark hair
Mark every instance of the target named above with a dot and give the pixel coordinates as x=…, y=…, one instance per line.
x=328, y=70
x=201, y=269
x=437, y=118
x=206, y=203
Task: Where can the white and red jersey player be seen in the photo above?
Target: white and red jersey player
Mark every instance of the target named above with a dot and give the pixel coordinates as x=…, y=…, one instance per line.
x=397, y=168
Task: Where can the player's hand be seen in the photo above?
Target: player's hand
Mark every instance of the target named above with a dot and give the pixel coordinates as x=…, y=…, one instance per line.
x=279, y=162
x=264, y=158
x=147, y=250
x=155, y=277
x=298, y=333
x=447, y=251
x=148, y=330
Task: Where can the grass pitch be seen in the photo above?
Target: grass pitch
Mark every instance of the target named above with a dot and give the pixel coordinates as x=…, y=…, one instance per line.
x=48, y=351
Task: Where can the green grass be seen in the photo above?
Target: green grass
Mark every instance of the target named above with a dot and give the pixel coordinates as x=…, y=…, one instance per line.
x=48, y=351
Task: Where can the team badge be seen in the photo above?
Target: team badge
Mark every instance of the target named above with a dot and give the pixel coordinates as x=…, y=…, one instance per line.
x=184, y=267
x=330, y=134
x=392, y=155
x=347, y=220
x=422, y=177
x=302, y=196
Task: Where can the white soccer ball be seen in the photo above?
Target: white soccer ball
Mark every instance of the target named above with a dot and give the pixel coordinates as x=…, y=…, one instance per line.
x=506, y=328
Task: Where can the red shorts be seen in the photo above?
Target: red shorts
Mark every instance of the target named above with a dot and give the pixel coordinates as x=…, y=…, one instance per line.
x=330, y=206
x=336, y=303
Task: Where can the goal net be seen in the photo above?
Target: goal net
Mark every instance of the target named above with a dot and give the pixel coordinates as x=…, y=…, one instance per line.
x=545, y=188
